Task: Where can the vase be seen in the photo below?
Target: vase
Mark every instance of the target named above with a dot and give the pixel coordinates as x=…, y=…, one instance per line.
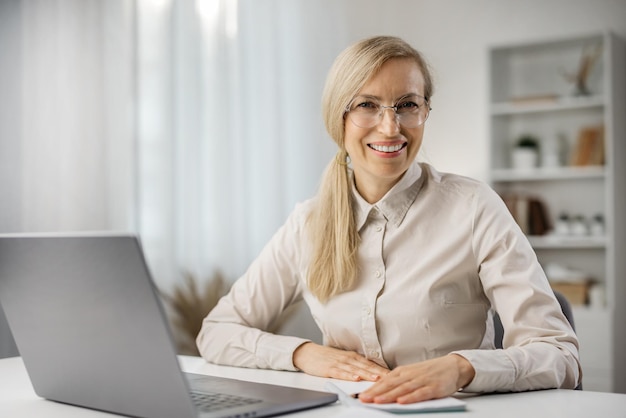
x=524, y=158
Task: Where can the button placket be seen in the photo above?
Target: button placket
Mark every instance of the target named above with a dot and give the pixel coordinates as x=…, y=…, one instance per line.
x=376, y=267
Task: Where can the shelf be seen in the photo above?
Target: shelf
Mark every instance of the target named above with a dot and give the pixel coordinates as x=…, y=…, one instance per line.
x=584, y=313
x=567, y=242
x=529, y=96
x=556, y=104
x=542, y=174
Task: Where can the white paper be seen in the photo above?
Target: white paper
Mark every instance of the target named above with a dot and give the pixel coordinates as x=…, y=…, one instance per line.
x=345, y=389
x=363, y=413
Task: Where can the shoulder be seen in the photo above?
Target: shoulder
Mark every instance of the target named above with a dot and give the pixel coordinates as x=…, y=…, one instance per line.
x=454, y=184
x=301, y=213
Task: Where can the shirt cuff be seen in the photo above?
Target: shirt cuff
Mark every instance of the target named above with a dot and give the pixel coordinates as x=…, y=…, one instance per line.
x=276, y=351
x=494, y=370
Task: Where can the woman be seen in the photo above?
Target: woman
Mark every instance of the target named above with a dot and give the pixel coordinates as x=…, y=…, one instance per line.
x=399, y=264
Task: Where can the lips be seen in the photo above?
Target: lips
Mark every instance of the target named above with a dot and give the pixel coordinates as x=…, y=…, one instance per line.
x=387, y=148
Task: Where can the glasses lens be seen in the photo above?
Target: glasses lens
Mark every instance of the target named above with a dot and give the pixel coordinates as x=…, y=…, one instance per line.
x=410, y=112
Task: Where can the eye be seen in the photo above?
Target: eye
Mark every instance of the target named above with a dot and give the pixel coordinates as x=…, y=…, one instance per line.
x=366, y=105
x=407, y=106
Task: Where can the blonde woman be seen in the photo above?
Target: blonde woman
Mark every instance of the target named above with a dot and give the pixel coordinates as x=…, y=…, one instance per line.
x=399, y=264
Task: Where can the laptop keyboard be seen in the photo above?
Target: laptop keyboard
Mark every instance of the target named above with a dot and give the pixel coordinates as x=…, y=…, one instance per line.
x=208, y=402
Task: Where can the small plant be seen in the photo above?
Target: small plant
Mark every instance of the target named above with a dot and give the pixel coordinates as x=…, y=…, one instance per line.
x=527, y=141
x=525, y=152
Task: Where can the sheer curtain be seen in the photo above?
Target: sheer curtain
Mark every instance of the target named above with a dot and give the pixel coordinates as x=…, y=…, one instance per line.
x=230, y=128
x=67, y=125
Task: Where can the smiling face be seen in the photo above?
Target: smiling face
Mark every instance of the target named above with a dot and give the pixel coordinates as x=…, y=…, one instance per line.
x=380, y=155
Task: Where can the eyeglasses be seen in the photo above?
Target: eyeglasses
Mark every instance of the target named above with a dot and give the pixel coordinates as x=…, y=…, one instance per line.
x=410, y=111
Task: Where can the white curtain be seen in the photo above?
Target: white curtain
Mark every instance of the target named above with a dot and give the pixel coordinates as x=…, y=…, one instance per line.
x=67, y=118
x=195, y=123
x=231, y=135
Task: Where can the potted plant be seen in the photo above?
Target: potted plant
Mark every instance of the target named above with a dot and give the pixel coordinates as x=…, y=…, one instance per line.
x=525, y=153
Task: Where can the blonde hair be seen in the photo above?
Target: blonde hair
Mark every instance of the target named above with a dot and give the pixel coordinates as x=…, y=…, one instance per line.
x=331, y=225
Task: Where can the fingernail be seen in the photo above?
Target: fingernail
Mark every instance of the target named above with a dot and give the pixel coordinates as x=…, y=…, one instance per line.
x=356, y=377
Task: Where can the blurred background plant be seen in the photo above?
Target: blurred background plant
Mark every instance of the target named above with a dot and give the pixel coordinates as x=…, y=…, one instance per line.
x=189, y=303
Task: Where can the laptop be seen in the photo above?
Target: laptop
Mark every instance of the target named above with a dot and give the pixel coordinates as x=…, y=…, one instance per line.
x=91, y=330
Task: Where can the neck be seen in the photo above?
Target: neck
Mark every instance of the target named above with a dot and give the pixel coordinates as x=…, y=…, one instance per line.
x=372, y=192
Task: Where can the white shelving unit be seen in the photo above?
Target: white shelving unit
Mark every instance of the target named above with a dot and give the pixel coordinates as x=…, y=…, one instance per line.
x=531, y=96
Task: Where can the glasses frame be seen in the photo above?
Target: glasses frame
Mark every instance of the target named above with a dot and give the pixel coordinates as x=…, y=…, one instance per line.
x=382, y=108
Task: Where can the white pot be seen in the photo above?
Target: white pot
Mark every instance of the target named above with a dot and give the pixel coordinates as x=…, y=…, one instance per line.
x=524, y=158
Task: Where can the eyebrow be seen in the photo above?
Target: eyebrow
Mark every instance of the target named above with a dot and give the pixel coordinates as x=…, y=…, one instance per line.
x=404, y=96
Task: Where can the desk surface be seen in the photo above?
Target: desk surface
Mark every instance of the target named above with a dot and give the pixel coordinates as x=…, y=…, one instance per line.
x=18, y=400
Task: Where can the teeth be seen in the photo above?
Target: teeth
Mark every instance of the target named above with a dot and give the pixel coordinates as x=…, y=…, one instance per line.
x=385, y=148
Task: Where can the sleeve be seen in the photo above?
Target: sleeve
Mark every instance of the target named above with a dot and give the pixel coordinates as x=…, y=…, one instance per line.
x=540, y=347
x=235, y=332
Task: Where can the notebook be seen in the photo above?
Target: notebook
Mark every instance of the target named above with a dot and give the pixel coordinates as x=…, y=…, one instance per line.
x=91, y=330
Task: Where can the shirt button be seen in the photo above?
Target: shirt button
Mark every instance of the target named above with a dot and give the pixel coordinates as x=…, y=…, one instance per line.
x=374, y=354
x=379, y=228
x=368, y=310
x=377, y=273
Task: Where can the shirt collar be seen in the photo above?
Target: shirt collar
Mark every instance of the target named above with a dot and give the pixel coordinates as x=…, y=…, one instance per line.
x=395, y=204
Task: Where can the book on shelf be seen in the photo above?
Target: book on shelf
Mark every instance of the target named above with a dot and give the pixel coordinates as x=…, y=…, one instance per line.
x=534, y=99
x=530, y=213
x=576, y=293
x=589, y=147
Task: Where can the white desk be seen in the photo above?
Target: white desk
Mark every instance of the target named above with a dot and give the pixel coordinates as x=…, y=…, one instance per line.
x=18, y=400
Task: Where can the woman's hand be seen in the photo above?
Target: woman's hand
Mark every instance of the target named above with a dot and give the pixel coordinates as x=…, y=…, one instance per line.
x=319, y=360
x=430, y=379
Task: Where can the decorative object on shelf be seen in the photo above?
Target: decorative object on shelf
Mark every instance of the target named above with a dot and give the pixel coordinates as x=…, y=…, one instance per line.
x=578, y=226
x=597, y=296
x=559, y=273
x=535, y=99
x=589, y=149
x=552, y=151
x=588, y=59
x=596, y=227
x=562, y=224
x=525, y=154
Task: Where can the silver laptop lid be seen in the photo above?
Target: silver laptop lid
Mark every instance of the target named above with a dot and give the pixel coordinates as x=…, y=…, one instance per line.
x=65, y=310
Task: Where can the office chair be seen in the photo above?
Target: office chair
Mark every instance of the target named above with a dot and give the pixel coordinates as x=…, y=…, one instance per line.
x=565, y=307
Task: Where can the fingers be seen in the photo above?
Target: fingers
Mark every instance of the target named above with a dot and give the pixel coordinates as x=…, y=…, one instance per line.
x=402, y=394
x=417, y=382
x=325, y=361
x=356, y=369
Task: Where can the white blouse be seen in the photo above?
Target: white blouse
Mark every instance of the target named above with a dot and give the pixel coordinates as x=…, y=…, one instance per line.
x=436, y=253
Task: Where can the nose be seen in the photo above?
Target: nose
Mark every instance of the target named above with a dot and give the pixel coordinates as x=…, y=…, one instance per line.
x=389, y=122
